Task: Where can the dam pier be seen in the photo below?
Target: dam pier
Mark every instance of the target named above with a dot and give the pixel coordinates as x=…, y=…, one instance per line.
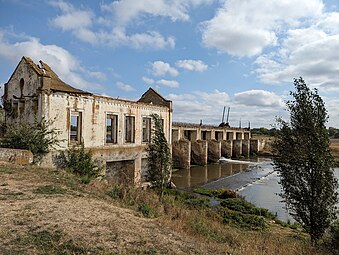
x=200, y=144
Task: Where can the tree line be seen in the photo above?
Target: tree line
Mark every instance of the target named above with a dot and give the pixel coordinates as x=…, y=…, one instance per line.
x=332, y=132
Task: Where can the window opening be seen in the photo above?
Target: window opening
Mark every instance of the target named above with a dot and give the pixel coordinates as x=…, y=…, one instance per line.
x=112, y=128
x=129, y=129
x=146, y=130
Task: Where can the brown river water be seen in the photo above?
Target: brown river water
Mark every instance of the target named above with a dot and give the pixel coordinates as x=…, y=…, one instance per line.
x=256, y=181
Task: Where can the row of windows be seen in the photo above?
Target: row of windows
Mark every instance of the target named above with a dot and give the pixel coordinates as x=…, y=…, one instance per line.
x=112, y=128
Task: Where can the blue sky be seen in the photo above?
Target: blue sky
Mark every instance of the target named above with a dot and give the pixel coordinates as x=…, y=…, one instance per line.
x=201, y=54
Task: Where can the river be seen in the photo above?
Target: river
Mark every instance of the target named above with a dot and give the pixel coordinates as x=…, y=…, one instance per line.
x=255, y=180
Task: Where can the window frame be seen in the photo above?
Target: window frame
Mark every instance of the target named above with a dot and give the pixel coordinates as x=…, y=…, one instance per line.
x=79, y=131
x=148, y=129
x=132, y=129
x=112, y=141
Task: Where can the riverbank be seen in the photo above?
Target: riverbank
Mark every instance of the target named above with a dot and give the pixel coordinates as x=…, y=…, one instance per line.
x=46, y=211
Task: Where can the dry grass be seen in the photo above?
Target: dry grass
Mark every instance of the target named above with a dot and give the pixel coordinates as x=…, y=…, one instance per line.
x=50, y=212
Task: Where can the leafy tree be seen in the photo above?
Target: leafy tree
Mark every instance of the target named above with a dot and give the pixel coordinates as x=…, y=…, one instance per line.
x=305, y=163
x=159, y=158
x=38, y=137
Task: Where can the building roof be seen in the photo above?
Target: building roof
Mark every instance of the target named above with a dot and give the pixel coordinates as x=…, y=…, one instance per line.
x=57, y=84
x=151, y=96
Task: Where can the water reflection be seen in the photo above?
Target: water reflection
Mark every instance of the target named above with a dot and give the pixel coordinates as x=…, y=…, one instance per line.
x=258, y=183
x=198, y=175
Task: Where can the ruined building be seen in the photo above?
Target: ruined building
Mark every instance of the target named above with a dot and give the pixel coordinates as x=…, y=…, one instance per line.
x=117, y=131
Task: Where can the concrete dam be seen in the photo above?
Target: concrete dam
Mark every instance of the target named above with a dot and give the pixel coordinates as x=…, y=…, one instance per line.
x=200, y=144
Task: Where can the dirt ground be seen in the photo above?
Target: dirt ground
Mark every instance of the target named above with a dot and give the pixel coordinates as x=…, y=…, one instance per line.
x=63, y=220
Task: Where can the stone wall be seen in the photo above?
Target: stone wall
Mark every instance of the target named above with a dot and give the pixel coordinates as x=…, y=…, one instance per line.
x=19, y=157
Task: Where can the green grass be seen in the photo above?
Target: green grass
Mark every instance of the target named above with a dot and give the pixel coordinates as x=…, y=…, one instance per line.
x=6, y=170
x=49, y=242
x=49, y=190
x=220, y=193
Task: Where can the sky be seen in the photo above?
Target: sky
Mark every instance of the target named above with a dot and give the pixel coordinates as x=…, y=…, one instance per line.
x=201, y=54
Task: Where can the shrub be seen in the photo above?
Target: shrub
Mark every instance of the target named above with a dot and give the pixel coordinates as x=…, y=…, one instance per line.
x=38, y=137
x=80, y=162
x=241, y=205
x=115, y=192
x=147, y=210
x=334, y=229
x=198, y=203
x=243, y=220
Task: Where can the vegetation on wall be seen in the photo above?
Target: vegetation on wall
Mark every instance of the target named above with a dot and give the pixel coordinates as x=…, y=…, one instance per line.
x=38, y=137
x=305, y=163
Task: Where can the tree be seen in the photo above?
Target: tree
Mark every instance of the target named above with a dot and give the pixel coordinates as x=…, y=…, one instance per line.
x=159, y=158
x=38, y=137
x=305, y=163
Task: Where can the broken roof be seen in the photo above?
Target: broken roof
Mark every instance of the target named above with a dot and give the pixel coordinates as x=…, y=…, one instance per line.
x=56, y=83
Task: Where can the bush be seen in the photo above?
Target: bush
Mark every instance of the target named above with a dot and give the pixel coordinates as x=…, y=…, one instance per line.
x=115, y=192
x=243, y=220
x=79, y=162
x=146, y=210
x=241, y=205
x=334, y=229
x=38, y=137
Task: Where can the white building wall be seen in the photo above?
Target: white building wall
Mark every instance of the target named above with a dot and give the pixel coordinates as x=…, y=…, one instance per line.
x=94, y=110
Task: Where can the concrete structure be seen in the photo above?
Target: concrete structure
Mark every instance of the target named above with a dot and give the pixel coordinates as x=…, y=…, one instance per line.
x=18, y=157
x=208, y=143
x=117, y=131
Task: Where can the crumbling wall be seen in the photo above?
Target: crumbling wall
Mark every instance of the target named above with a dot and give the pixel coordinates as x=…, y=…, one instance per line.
x=15, y=156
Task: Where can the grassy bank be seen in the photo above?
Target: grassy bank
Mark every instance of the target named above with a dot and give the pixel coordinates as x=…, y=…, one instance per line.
x=47, y=211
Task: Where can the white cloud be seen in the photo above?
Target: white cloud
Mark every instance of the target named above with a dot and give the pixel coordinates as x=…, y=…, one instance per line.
x=261, y=98
x=124, y=86
x=61, y=61
x=111, y=26
x=148, y=81
x=167, y=83
x=73, y=20
x=309, y=52
x=160, y=68
x=208, y=106
x=192, y=65
x=76, y=21
x=97, y=75
x=127, y=11
x=245, y=28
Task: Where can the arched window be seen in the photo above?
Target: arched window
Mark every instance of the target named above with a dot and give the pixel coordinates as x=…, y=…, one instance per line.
x=22, y=83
